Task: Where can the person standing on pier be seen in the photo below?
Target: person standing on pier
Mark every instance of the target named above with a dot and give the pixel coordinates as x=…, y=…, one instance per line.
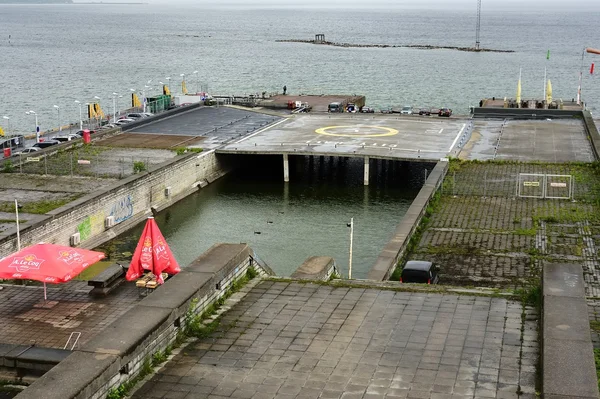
x=284, y=90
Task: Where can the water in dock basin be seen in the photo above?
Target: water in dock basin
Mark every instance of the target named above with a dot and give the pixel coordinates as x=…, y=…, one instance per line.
x=287, y=223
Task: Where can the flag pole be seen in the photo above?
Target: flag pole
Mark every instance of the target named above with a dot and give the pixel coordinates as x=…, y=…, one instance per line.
x=18, y=230
x=545, y=88
x=580, y=78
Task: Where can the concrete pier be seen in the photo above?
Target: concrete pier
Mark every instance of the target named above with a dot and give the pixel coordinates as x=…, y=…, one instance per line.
x=366, y=171
x=286, y=168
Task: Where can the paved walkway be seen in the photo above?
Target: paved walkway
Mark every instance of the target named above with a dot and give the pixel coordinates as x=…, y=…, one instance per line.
x=28, y=319
x=291, y=340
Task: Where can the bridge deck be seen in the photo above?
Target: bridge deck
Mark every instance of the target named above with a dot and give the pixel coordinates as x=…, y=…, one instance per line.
x=377, y=135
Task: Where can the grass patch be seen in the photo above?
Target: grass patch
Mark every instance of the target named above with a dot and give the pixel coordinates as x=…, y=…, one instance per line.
x=595, y=325
x=37, y=207
x=183, y=150
x=531, y=295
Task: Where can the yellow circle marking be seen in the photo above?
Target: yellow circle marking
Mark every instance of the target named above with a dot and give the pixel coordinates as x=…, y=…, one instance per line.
x=327, y=131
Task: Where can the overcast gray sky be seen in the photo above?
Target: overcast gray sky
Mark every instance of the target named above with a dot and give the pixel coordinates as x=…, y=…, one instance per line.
x=517, y=5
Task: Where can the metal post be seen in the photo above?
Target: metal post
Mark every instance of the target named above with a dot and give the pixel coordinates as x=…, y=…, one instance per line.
x=425, y=181
x=71, y=162
x=351, y=242
x=18, y=230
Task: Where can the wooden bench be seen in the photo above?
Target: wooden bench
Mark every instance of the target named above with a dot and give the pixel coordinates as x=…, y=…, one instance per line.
x=107, y=280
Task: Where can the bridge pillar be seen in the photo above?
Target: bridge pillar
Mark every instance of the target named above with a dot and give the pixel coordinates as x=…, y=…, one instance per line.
x=366, y=171
x=286, y=168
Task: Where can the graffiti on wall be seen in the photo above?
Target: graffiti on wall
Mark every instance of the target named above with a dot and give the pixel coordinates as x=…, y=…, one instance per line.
x=122, y=209
x=91, y=226
x=85, y=228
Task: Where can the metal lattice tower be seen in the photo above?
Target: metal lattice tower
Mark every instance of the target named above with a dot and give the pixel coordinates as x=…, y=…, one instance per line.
x=478, y=27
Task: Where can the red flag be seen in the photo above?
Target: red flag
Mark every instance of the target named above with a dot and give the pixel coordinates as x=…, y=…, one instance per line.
x=153, y=254
x=592, y=68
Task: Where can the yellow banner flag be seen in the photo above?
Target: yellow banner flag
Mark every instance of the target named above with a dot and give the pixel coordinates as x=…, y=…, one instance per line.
x=184, y=88
x=1, y=131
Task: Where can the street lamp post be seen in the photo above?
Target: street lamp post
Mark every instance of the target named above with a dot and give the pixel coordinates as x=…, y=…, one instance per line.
x=37, y=127
x=146, y=87
x=115, y=107
x=58, y=117
x=80, y=115
x=196, y=73
x=8, y=121
x=351, y=225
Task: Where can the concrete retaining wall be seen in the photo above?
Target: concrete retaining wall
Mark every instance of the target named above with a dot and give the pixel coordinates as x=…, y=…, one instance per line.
x=524, y=113
x=395, y=248
x=317, y=268
x=128, y=201
x=118, y=353
x=592, y=131
x=568, y=367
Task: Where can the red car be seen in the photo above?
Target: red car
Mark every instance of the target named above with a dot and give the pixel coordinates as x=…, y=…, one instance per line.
x=445, y=112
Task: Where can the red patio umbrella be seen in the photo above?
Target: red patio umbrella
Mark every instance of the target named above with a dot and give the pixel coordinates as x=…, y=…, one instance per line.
x=48, y=263
x=153, y=254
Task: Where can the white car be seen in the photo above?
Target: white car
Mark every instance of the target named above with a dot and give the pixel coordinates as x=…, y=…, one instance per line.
x=70, y=137
x=124, y=121
x=27, y=150
x=148, y=114
x=406, y=110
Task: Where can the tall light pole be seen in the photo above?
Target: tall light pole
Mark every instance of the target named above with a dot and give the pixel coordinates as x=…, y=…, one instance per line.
x=8, y=121
x=196, y=73
x=80, y=115
x=37, y=127
x=146, y=87
x=58, y=117
x=351, y=225
x=115, y=107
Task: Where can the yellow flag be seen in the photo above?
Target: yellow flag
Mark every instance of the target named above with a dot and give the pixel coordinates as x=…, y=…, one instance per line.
x=183, y=88
x=549, y=92
x=1, y=132
x=519, y=92
x=166, y=90
x=135, y=101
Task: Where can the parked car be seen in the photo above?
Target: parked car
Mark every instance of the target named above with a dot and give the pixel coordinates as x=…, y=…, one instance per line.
x=136, y=115
x=367, y=110
x=419, y=271
x=425, y=111
x=406, y=110
x=46, y=144
x=445, y=112
x=124, y=121
x=27, y=150
x=148, y=114
x=387, y=110
x=335, y=107
x=63, y=139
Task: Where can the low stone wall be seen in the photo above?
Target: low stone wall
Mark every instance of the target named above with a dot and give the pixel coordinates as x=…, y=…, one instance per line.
x=117, y=354
x=592, y=132
x=395, y=248
x=128, y=202
x=568, y=367
x=316, y=268
x=524, y=113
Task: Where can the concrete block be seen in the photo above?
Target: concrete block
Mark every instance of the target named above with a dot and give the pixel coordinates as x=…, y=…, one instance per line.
x=78, y=376
x=562, y=279
x=179, y=289
x=127, y=333
x=566, y=318
x=315, y=268
x=569, y=369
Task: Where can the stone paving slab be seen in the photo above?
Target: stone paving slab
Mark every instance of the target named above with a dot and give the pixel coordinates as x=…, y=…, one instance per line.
x=293, y=340
x=69, y=309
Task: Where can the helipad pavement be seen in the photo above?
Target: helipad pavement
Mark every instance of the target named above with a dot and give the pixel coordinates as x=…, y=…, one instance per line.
x=291, y=340
x=555, y=140
x=386, y=136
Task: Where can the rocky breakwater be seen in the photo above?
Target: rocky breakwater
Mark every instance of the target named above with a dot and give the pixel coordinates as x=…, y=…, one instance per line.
x=417, y=46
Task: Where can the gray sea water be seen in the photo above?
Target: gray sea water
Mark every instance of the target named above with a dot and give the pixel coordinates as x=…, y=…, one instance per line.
x=61, y=53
